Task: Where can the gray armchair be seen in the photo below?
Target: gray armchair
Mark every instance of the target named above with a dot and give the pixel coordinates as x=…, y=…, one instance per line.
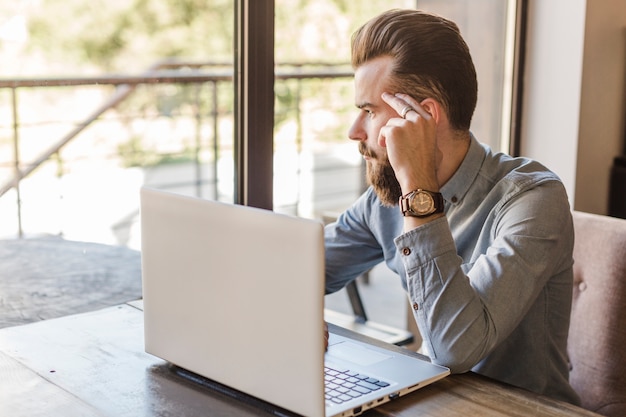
x=597, y=338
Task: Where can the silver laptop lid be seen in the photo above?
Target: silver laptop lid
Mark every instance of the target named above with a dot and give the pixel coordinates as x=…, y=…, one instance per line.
x=235, y=294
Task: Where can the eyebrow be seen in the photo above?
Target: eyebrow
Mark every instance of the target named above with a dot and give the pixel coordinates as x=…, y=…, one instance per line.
x=365, y=104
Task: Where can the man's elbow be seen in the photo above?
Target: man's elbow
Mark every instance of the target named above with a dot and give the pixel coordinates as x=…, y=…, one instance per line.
x=457, y=364
x=332, y=288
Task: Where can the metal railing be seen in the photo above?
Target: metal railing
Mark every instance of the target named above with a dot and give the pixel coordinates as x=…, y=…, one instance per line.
x=168, y=72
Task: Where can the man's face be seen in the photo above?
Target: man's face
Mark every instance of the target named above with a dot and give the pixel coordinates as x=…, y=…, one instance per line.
x=371, y=80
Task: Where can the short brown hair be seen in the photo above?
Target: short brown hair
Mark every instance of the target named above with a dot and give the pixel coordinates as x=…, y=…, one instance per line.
x=431, y=59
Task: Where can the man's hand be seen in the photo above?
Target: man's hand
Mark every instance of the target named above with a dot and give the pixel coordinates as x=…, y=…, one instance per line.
x=410, y=139
x=325, y=336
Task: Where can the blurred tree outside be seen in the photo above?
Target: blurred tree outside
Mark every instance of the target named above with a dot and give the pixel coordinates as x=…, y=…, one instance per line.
x=48, y=37
x=78, y=37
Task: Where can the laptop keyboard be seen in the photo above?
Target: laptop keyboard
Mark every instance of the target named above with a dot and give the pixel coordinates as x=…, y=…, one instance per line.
x=344, y=385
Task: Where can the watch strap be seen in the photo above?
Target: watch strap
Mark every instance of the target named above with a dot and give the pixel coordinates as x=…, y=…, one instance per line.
x=405, y=203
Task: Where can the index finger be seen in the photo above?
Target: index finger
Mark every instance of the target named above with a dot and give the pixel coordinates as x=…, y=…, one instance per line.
x=400, y=101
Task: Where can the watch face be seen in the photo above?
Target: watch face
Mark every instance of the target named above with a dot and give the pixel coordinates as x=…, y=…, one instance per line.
x=422, y=203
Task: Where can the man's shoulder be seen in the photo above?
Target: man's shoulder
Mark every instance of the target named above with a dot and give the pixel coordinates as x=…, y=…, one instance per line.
x=519, y=172
x=506, y=179
x=530, y=173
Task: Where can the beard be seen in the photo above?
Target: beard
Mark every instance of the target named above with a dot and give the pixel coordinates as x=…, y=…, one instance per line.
x=381, y=177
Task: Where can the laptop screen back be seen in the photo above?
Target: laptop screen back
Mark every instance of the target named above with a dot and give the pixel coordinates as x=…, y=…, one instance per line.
x=235, y=294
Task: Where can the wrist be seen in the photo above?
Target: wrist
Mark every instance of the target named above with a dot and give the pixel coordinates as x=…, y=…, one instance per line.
x=412, y=184
x=423, y=186
x=421, y=203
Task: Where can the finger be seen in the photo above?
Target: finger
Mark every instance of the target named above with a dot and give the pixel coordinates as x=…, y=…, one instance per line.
x=394, y=102
x=382, y=136
x=399, y=103
x=413, y=103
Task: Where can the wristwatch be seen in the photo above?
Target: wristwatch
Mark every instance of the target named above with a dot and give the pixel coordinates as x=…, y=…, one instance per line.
x=421, y=203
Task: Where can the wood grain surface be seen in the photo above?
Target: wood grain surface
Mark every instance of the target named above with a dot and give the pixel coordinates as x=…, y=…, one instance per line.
x=94, y=364
x=51, y=277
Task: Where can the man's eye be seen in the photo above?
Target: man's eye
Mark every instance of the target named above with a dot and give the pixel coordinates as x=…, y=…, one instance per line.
x=367, y=111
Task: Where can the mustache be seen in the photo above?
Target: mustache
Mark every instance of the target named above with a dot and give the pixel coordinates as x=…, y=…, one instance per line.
x=365, y=151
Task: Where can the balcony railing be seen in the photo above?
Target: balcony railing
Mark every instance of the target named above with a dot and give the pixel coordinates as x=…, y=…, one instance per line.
x=175, y=111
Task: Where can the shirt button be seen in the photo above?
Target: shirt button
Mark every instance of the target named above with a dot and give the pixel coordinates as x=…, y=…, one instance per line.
x=406, y=251
x=454, y=199
x=416, y=306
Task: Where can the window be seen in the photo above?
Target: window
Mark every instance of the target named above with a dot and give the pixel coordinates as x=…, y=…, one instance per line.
x=89, y=116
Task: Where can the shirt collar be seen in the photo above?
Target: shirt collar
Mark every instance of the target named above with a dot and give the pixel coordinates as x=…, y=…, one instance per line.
x=455, y=189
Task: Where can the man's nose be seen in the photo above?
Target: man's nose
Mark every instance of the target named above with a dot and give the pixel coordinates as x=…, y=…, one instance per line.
x=356, y=132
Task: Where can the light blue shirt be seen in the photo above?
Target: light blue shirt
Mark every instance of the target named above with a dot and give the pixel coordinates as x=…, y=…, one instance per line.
x=491, y=282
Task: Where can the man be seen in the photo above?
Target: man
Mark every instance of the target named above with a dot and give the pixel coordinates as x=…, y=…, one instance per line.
x=482, y=241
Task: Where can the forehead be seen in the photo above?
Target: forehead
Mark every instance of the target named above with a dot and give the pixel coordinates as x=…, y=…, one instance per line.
x=371, y=79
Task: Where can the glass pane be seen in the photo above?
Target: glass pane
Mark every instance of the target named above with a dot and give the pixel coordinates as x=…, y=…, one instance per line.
x=90, y=141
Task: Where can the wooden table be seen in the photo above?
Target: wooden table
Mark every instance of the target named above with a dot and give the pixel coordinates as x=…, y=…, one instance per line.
x=49, y=277
x=94, y=364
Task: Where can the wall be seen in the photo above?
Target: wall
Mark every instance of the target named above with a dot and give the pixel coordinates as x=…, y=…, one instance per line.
x=574, y=108
x=601, y=135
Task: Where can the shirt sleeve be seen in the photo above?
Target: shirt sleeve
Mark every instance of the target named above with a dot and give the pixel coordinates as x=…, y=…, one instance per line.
x=464, y=311
x=350, y=246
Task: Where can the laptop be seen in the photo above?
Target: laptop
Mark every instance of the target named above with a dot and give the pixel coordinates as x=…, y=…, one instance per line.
x=235, y=295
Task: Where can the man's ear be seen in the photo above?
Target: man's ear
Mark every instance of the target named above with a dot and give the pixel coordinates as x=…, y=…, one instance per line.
x=433, y=108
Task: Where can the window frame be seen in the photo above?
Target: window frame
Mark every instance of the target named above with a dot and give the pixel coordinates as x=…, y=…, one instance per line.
x=254, y=102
